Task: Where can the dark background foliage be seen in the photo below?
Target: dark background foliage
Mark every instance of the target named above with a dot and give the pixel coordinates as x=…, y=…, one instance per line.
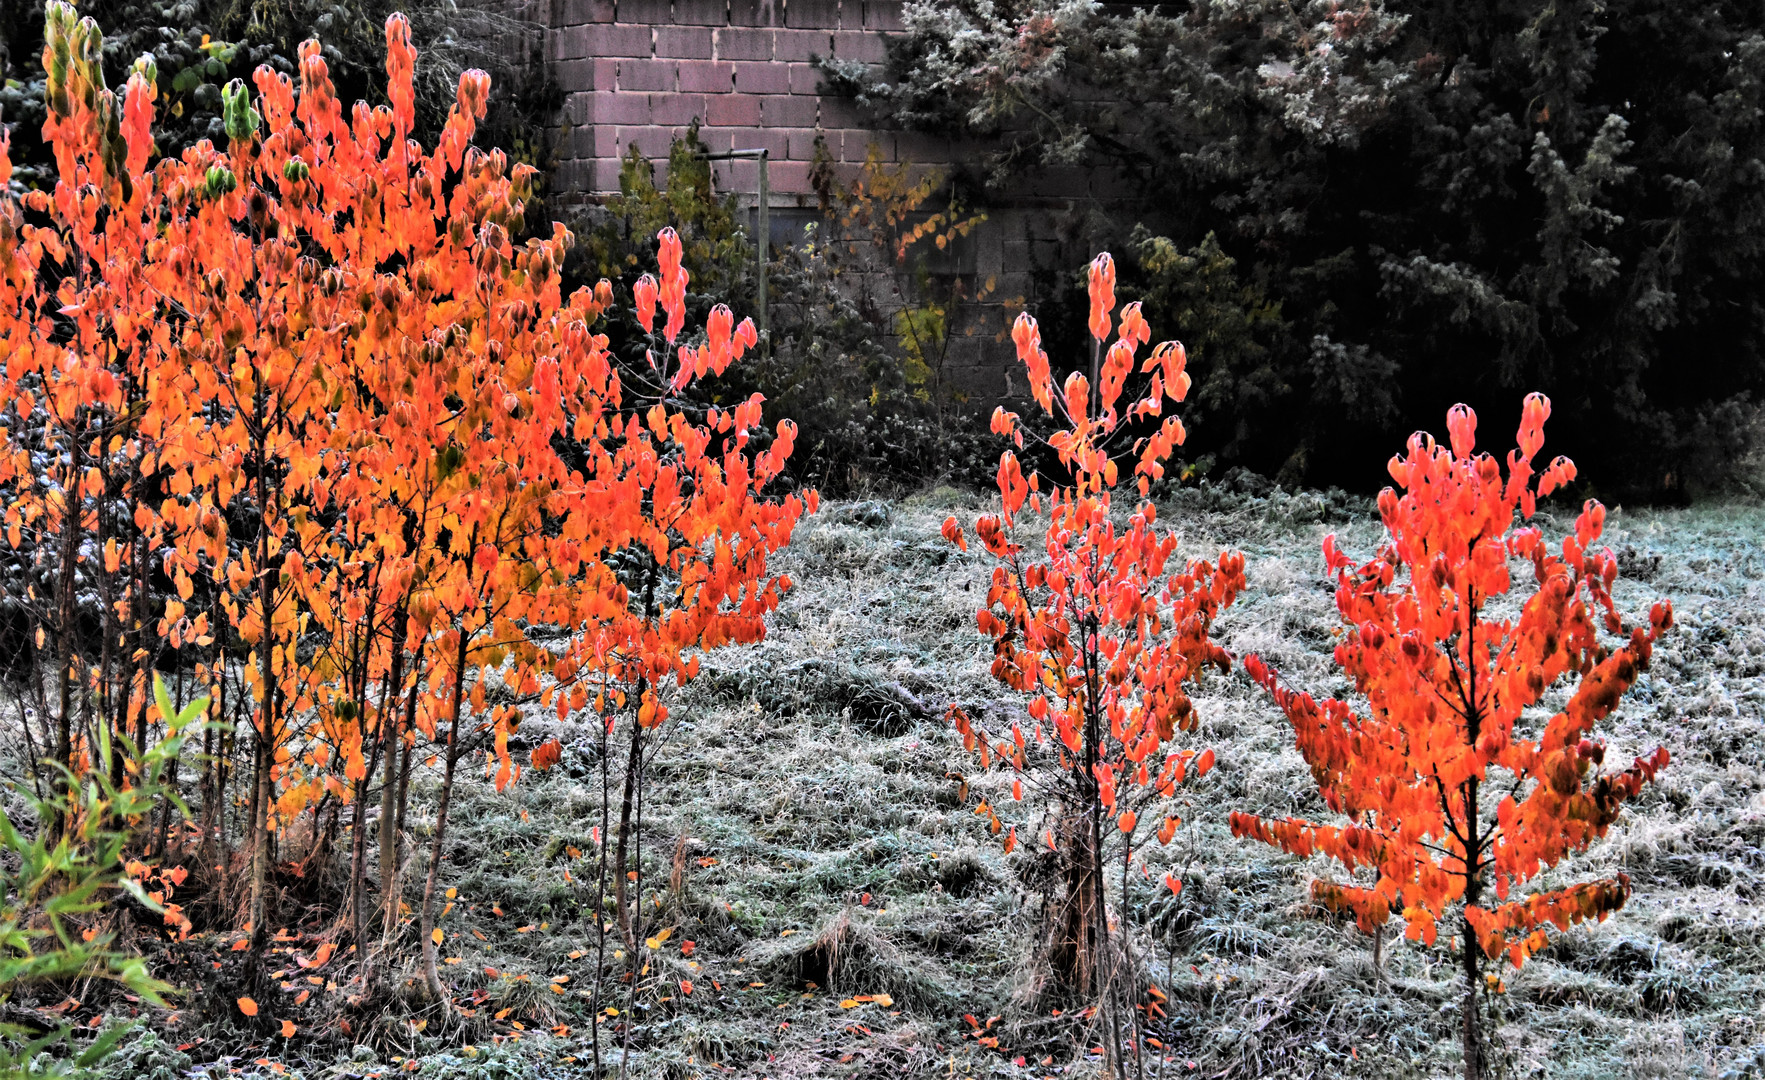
x=198, y=45
x=829, y=366
x=1365, y=211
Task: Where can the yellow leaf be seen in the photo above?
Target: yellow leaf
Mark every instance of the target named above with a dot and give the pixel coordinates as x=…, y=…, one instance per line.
x=248, y=1006
x=288, y=1029
x=436, y=935
x=849, y=1003
x=453, y=894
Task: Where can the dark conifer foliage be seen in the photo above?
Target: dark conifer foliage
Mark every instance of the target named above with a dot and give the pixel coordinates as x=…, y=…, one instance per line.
x=1389, y=206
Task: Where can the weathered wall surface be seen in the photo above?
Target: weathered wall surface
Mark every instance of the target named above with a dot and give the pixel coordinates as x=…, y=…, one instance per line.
x=638, y=72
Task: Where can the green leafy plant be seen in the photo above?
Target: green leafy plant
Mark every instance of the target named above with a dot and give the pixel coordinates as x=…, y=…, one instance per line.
x=63, y=868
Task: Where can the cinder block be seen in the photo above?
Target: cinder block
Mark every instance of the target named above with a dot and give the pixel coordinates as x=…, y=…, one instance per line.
x=579, y=109
x=732, y=110
x=812, y=14
x=678, y=110
x=652, y=142
x=706, y=77
x=647, y=75
x=756, y=13
x=585, y=11
x=804, y=78
x=603, y=176
x=701, y=12
x=790, y=178
x=762, y=77
x=574, y=75
x=688, y=42
x=1063, y=182
x=719, y=139
x=859, y=45
x=802, y=45
x=917, y=147
x=741, y=177
x=606, y=73
x=841, y=112
x=572, y=43
x=653, y=12
x=883, y=15
x=605, y=141
x=618, y=39
x=621, y=108
x=855, y=145
x=802, y=144
x=744, y=43
x=788, y=111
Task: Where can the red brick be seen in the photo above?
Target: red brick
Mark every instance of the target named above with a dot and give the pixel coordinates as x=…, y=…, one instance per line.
x=761, y=138
x=762, y=77
x=788, y=111
x=756, y=12
x=677, y=110
x=706, y=77
x=619, y=40
x=653, y=12
x=691, y=42
x=805, y=78
x=647, y=75
x=813, y=14
x=741, y=43
x=701, y=12
x=586, y=11
x=802, y=44
x=883, y=15
x=732, y=110
x=859, y=45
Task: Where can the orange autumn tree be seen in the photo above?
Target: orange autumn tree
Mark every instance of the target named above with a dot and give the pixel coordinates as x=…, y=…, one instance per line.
x=329, y=354
x=1453, y=783
x=693, y=547
x=1101, y=626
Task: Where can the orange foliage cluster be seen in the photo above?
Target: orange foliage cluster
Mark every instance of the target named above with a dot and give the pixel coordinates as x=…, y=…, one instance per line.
x=1446, y=780
x=1108, y=627
x=343, y=403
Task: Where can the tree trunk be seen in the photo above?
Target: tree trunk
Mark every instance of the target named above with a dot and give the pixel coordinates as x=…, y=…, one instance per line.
x=621, y=900
x=1472, y=1035
x=1073, y=945
x=432, y=973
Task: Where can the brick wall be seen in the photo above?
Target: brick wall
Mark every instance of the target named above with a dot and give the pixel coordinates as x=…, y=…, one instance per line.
x=640, y=71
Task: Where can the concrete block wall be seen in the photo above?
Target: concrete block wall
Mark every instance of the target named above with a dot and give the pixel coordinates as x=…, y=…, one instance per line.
x=639, y=72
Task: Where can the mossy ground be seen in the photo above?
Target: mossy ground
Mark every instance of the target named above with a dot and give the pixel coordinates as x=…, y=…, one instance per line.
x=808, y=794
